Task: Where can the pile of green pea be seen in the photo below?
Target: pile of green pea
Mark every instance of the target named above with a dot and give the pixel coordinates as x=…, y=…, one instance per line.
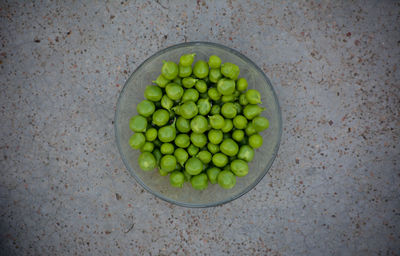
x=199, y=123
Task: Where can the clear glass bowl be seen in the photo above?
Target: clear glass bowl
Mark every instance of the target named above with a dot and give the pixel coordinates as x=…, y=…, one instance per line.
x=152, y=181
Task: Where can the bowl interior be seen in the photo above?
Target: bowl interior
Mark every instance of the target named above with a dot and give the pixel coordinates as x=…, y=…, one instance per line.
x=132, y=94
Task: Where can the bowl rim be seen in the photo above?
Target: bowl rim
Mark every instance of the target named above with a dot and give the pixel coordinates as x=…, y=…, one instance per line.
x=249, y=187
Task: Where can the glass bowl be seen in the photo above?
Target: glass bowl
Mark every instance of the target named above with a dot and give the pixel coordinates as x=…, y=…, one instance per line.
x=152, y=181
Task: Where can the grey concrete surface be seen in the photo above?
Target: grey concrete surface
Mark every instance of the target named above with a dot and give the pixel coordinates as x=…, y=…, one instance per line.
x=334, y=188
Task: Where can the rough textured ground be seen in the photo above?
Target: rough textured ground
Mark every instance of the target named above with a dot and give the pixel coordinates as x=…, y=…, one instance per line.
x=334, y=188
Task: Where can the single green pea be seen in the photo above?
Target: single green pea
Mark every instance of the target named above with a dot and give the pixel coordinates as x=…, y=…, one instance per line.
x=219, y=159
x=166, y=102
x=193, y=166
x=199, y=124
x=138, y=124
x=228, y=110
x=204, y=156
x=151, y=134
x=238, y=107
x=184, y=71
x=190, y=95
x=246, y=153
x=214, y=61
x=168, y=163
x=230, y=70
x=215, y=136
x=241, y=84
x=177, y=81
x=199, y=182
x=147, y=161
x=255, y=141
x=177, y=179
x=228, y=126
x=182, y=140
x=192, y=150
x=167, y=133
x=243, y=100
x=181, y=156
x=229, y=147
x=160, y=117
x=217, y=121
x=153, y=93
x=147, y=147
x=198, y=139
x=238, y=135
x=187, y=175
x=188, y=110
x=214, y=75
x=253, y=96
x=183, y=125
x=186, y=60
x=228, y=98
x=161, y=81
x=213, y=148
x=251, y=111
x=163, y=172
x=167, y=148
x=200, y=69
x=189, y=82
x=157, y=154
x=250, y=130
x=240, y=122
x=174, y=91
x=169, y=70
x=137, y=140
x=260, y=123
x=215, y=109
x=226, y=179
x=201, y=86
x=204, y=106
x=212, y=174
x=214, y=94
x=146, y=108
x=226, y=86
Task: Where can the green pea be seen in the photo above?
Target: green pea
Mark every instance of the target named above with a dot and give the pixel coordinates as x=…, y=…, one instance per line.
x=243, y=100
x=189, y=82
x=213, y=148
x=228, y=110
x=227, y=168
x=253, y=96
x=190, y=95
x=214, y=61
x=204, y=106
x=151, y=134
x=198, y=139
x=228, y=126
x=168, y=163
x=167, y=148
x=228, y=98
x=157, y=142
x=153, y=93
x=241, y=84
x=212, y=174
x=188, y=110
x=250, y=130
x=157, y=154
x=226, y=179
x=169, y=70
x=138, y=124
x=215, y=136
x=204, y=156
x=161, y=117
x=167, y=133
x=182, y=140
x=192, y=150
x=174, y=91
x=146, y=108
x=255, y=141
x=184, y=71
x=147, y=161
x=260, y=123
x=177, y=179
x=187, y=59
x=183, y=125
x=193, y=166
x=238, y=107
x=226, y=86
x=215, y=109
x=217, y=121
x=214, y=75
x=166, y=102
x=238, y=135
x=181, y=156
x=162, y=172
x=251, y=111
x=199, y=182
x=200, y=69
x=137, y=140
x=230, y=70
x=161, y=81
x=246, y=153
x=240, y=122
x=229, y=147
x=187, y=175
x=219, y=159
x=199, y=124
x=214, y=94
x=201, y=86
x=177, y=81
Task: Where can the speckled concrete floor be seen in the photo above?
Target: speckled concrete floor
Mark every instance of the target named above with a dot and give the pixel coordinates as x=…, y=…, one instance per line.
x=333, y=189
